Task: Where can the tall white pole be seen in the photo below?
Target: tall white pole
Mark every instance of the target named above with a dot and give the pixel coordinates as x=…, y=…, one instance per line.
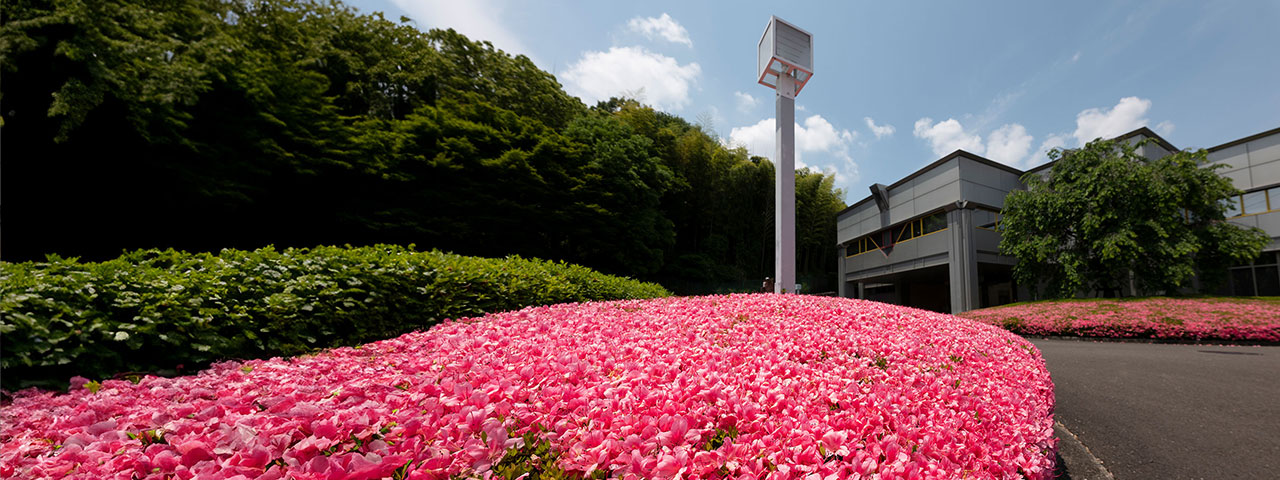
x=785, y=188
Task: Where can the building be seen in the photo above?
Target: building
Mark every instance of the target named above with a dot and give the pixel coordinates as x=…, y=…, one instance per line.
x=930, y=239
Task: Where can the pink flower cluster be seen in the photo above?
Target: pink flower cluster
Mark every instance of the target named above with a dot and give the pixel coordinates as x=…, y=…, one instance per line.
x=1159, y=317
x=742, y=386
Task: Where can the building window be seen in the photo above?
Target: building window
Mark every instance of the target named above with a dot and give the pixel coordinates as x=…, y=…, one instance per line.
x=987, y=219
x=1261, y=277
x=860, y=246
x=920, y=227
x=913, y=229
x=1253, y=203
x=935, y=223
x=1233, y=206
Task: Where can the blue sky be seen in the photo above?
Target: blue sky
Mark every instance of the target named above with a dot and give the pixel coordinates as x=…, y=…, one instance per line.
x=897, y=85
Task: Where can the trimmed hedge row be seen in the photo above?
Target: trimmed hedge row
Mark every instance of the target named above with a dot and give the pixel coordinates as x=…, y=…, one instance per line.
x=169, y=311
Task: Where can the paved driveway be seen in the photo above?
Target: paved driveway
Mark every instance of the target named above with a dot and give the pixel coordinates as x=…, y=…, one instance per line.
x=1170, y=411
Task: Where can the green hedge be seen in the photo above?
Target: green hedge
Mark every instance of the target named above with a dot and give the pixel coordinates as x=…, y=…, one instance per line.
x=167, y=311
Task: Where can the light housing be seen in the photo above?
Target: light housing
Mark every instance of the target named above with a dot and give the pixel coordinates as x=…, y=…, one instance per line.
x=784, y=49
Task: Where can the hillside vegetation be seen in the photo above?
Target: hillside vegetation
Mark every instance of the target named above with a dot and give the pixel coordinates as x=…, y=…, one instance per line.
x=206, y=124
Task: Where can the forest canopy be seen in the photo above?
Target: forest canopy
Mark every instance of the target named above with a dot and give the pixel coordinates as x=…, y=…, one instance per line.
x=209, y=124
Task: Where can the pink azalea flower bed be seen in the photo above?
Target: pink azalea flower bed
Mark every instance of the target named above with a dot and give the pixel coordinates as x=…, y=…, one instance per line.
x=1166, y=318
x=743, y=386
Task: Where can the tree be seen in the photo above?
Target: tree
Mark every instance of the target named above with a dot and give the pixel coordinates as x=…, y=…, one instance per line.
x=204, y=124
x=1104, y=214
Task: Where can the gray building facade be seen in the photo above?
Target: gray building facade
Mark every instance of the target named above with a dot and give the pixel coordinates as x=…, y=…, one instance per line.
x=930, y=240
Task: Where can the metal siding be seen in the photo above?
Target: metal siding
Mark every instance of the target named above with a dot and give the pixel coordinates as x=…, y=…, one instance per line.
x=976, y=192
x=1234, y=158
x=984, y=239
x=901, y=195
x=1153, y=151
x=933, y=243
x=937, y=177
x=983, y=174
x=984, y=257
x=1264, y=150
x=1010, y=182
x=764, y=50
x=846, y=233
x=854, y=224
x=1239, y=178
x=866, y=261
x=1266, y=174
x=926, y=251
x=793, y=45
x=939, y=197
x=896, y=267
x=869, y=225
x=1270, y=222
x=1247, y=220
x=901, y=213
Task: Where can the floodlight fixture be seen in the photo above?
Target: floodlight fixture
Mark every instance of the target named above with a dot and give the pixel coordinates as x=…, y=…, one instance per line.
x=784, y=50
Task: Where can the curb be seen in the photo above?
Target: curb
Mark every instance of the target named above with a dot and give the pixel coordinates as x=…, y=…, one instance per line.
x=1162, y=341
x=1075, y=461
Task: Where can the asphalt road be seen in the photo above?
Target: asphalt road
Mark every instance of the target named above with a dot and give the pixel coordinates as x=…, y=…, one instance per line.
x=1169, y=411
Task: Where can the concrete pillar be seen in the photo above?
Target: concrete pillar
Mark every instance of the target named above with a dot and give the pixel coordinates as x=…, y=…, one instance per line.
x=862, y=290
x=785, y=188
x=962, y=260
x=841, y=284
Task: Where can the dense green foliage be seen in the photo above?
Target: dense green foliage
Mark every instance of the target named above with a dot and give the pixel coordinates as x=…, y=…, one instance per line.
x=1105, y=212
x=152, y=310
x=204, y=124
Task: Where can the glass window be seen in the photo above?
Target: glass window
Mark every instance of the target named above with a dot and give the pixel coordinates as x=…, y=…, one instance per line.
x=1242, y=282
x=935, y=222
x=1268, y=279
x=1274, y=198
x=985, y=219
x=1255, y=202
x=1233, y=206
x=858, y=246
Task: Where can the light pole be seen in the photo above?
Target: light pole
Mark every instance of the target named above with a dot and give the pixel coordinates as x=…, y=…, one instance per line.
x=784, y=62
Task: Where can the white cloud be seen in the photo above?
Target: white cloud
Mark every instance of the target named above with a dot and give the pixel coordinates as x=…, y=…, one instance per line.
x=663, y=27
x=1057, y=140
x=1075, y=58
x=1164, y=128
x=745, y=101
x=825, y=146
x=621, y=70
x=758, y=139
x=947, y=136
x=819, y=135
x=1126, y=116
x=880, y=131
x=477, y=19
x=1009, y=145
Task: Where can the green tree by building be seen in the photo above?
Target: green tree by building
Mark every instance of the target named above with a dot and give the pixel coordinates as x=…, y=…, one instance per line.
x=1105, y=216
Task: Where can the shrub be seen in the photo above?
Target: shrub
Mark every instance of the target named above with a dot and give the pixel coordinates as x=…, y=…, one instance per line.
x=742, y=386
x=1181, y=319
x=160, y=311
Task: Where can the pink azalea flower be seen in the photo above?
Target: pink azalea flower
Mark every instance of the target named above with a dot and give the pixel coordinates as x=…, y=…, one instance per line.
x=742, y=386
